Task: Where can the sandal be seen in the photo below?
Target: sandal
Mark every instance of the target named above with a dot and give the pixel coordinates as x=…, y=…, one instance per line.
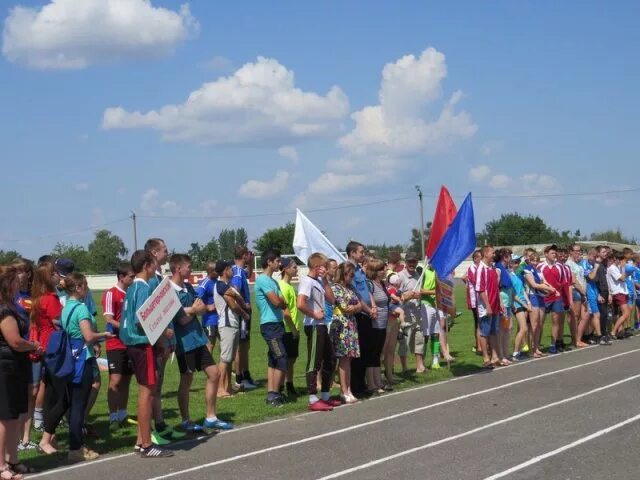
x=487, y=366
x=21, y=468
x=7, y=474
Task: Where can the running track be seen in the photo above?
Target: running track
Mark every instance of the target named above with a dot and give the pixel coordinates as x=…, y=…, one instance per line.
x=570, y=416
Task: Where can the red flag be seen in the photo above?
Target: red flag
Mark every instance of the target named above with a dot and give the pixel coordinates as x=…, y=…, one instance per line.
x=442, y=218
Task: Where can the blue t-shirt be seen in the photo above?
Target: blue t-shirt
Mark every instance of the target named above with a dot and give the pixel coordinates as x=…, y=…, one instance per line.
x=520, y=299
x=155, y=281
x=636, y=279
x=131, y=332
x=22, y=303
x=505, y=278
x=73, y=313
x=592, y=287
x=361, y=286
x=241, y=283
x=204, y=291
x=530, y=270
x=191, y=335
x=630, y=269
x=268, y=313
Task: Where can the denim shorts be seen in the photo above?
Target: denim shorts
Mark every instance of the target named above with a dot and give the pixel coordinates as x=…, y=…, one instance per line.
x=577, y=296
x=488, y=325
x=273, y=334
x=556, y=307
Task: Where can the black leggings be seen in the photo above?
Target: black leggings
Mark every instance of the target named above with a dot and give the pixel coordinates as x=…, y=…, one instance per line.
x=320, y=357
x=62, y=395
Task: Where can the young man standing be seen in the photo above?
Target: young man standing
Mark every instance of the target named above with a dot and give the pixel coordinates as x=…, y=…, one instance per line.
x=270, y=303
x=293, y=320
x=312, y=292
x=616, y=278
x=598, y=275
x=204, y=291
x=191, y=348
x=356, y=256
x=120, y=369
x=553, y=274
x=228, y=303
x=487, y=289
x=141, y=352
x=240, y=282
x=411, y=296
x=163, y=433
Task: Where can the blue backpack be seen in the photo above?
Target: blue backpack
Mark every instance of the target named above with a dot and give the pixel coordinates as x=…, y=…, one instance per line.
x=59, y=359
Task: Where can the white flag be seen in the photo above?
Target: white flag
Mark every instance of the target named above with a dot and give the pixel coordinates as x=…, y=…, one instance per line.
x=308, y=239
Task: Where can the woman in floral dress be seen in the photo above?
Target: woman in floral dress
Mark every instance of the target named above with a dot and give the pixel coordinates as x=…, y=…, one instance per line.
x=343, y=332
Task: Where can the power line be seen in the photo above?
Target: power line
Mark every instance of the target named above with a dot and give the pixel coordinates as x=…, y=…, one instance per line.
x=64, y=234
x=274, y=214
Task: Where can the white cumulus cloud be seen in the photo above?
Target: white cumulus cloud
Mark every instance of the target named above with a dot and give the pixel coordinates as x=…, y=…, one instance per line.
x=499, y=181
x=289, y=152
x=265, y=189
x=258, y=104
x=408, y=121
x=479, y=173
x=73, y=34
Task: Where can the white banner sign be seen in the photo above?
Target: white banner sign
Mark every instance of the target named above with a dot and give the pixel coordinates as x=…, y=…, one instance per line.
x=157, y=312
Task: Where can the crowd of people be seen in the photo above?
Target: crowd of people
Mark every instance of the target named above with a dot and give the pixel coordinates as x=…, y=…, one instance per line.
x=596, y=293
x=358, y=317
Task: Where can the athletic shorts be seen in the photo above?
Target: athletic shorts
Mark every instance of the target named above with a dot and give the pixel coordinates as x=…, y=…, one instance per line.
x=556, y=307
x=537, y=301
x=273, y=334
x=245, y=329
x=145, y=364
x=291, y=345
x=620, y=299
x=37, y=373
x=429, y=320
x=632, y=300
x=521, y=310
x=212, y=333
x=196, y=360
x=119, y=362
x=229, y=340
x=488, y=325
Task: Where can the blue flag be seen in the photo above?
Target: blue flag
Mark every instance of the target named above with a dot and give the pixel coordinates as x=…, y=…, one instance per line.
x=457, y=243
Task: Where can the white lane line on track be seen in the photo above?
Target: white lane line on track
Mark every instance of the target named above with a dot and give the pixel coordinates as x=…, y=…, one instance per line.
x=564, y=448
x=384, y=419
x=268, y=422
x=478, y=429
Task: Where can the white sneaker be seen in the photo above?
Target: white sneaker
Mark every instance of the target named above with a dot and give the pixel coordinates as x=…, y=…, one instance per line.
x=247, y=385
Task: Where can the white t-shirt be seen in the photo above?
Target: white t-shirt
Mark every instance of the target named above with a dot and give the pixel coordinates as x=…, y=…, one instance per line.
x=314, y=291
x=617, y=286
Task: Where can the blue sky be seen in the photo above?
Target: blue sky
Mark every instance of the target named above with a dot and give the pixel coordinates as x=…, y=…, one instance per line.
x=259, y=107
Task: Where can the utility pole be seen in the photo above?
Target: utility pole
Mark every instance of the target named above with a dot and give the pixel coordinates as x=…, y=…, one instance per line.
x=135, y=231
x=421, y=221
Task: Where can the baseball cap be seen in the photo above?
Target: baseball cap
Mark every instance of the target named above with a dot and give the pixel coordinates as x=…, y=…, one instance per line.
x=551, y=247
x=221, y=266
x=285, y=262
x=64, y=266
x=411, y=257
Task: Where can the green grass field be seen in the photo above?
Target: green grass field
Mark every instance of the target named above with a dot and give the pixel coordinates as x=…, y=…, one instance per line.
x=250, y=407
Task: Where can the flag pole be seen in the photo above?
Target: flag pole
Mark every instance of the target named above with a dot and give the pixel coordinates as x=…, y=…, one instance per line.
x=421, y=221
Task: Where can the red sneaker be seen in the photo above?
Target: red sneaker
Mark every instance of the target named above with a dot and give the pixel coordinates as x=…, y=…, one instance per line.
x=333, y=403
x=320, y=406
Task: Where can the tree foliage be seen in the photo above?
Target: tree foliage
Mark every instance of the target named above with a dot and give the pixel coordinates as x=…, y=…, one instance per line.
x=279, y=237
x=201, y=255
x=229, y=239
x=77, y=253
x=515, y=229
x=415, y=244
x=382, y=251
x=106, y=252
x=612, y=236
x=8, y=256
